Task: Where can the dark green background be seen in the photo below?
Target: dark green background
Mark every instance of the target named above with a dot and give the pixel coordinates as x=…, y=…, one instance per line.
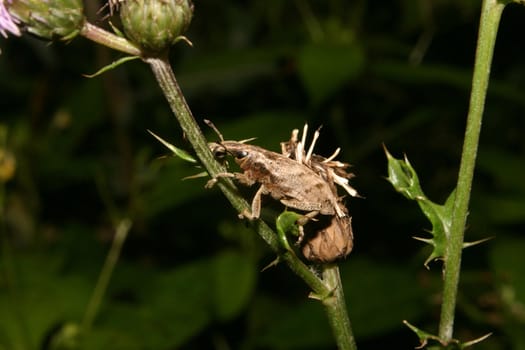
x=369, y=72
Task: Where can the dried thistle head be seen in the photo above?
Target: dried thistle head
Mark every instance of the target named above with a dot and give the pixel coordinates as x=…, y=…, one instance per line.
x=328, y=240
x=331, y=170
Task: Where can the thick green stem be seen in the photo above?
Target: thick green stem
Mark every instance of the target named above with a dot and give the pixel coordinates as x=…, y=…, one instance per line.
x=335, y=307
x=490, y=17
x=336, y=310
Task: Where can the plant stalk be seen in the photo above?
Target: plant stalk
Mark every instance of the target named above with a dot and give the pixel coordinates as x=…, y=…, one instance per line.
x=488, y=28
x=334, y=304
x=121, y=233
x=108, y=39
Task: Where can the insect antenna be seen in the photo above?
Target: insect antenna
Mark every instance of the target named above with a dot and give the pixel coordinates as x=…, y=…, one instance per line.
x=214, y=128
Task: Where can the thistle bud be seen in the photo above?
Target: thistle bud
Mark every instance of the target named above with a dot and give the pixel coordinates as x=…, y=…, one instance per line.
x=155, y=25
x=50, y=19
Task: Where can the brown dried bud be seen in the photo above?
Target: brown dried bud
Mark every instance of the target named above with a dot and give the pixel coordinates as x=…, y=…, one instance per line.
x=326, y=240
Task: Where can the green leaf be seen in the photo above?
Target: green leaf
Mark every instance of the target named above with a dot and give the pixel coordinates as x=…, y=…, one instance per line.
x=374, y=306
x=43, y=299
x=299, y=324
x=167, y=308
x=182, y=154
x=112, y=65
x=325, y=68
x=287, y=223
x=404, y=178
x=234, y=277
x=169, y=191
x=453, y=344
x=374, y=302
x=507, y=260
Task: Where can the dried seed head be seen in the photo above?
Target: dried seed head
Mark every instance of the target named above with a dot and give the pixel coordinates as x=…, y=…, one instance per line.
x=330, y=170
x=329, y=241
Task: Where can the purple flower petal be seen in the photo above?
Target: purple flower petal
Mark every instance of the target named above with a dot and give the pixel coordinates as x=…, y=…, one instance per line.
x=7, y=22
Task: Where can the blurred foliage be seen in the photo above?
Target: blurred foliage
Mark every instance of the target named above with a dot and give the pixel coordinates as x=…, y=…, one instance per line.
x=189, y=276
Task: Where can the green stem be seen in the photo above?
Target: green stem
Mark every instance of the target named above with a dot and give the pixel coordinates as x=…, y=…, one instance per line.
x=105, y=275
x=108, y=39
x=335, y=307
x=170, y=87
x=490, y=17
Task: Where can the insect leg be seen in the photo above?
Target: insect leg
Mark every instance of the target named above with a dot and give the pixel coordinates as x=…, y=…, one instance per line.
x=214, y=180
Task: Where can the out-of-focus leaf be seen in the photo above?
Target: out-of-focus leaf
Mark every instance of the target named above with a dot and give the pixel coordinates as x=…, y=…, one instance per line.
x=506, y=169
x=502, y=209
x=298, y=325
x=373, y=301
x=507, y=259
x=234, y=277
x=41, y=300
x=171, y=190
x=374, y=307
x=268, y=128
x=326, y=68
x=171, y=307
x=227, y=71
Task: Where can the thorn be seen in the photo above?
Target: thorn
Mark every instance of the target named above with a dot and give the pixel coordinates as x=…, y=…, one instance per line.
x=471, y=244
x=274, y=262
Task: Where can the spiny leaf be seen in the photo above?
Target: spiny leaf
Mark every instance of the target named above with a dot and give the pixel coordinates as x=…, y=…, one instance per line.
x=452, y=344
x=182, y=154
x=404, y=178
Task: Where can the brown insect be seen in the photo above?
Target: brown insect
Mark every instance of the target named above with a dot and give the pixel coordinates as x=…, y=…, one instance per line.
x=292, y=183
x=300, y=180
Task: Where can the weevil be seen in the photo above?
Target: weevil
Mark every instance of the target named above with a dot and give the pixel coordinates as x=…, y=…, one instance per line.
x=300, y=180
x=292, y=183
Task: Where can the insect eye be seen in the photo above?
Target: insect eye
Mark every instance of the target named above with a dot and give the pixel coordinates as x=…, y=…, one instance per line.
x=218, y=151
x=240, y=154
x=219, y=154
